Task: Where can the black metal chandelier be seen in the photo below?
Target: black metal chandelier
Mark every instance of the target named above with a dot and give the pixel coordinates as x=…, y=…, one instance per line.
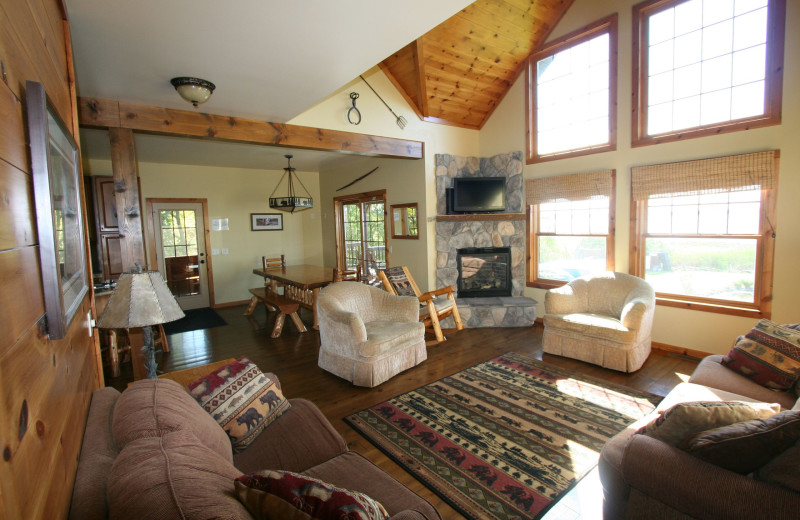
x=291, y=202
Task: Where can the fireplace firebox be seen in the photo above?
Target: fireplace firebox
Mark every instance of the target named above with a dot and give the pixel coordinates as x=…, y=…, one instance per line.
x=484, y=272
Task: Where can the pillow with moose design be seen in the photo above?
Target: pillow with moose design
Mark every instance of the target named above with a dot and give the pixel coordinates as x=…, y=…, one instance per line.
x=241, y=399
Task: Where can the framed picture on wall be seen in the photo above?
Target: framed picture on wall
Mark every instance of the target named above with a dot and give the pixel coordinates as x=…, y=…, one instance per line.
x=59, y=216
x=266, y=221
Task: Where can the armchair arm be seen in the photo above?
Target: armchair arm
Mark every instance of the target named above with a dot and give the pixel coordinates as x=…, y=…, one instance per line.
x=698, y=489
x=344, y=328
x=634, y=312
x=567, y=299
x=395, y=308
x=430, y=295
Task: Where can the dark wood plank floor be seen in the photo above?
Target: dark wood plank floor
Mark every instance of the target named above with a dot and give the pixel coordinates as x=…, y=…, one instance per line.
x=293, y=357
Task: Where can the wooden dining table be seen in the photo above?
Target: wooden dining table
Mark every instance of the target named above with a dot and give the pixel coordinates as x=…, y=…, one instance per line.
x=301, y=283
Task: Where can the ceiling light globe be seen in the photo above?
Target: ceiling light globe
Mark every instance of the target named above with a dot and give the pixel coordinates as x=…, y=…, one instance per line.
x=193, y=90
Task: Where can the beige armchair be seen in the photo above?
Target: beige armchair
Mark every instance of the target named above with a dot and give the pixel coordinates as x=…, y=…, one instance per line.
x=604, y=319
x=367, y=335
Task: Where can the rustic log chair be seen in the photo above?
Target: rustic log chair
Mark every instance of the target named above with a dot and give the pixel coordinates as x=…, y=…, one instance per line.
x=347, y=275
x=398, y=281
x=273, y=263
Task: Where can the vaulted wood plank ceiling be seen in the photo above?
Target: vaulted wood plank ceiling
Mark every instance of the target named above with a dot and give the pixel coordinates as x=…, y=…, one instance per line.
x=458, y=72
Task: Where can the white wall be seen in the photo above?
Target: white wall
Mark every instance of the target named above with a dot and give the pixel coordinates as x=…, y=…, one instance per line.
x=703, y=331
x=235, y=193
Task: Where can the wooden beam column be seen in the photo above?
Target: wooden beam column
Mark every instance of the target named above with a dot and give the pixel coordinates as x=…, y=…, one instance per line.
x=126, y=188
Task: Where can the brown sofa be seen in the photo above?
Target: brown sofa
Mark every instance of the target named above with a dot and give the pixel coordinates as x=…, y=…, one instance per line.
x=645, y=478
x=153, y=452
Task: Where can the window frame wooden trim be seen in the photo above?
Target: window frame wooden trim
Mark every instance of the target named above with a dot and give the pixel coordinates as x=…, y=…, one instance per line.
x=338, y=212
x=764, y=264
x=532, y=218
x=608, y=24
x=773, y=88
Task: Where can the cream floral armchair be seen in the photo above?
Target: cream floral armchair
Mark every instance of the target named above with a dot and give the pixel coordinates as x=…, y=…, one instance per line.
x=605, y=319
x=367, y=335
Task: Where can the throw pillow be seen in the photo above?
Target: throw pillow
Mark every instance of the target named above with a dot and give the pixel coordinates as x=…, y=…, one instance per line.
x=241, y=399
x=274, y=495
x=685, y=419
x=769, y=355
x=746, y=446
x=782, y=470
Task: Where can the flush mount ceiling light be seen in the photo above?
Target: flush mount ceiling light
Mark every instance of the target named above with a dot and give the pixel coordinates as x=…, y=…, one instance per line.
x=291, y=202
x=193, y=90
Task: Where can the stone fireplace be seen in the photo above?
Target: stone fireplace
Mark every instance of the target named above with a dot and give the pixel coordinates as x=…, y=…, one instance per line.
x=496, y=230
x=484, y=271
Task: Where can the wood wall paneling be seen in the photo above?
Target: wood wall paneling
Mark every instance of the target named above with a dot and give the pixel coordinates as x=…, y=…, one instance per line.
x=16, y=208
x=13, y=140
x=21, y=298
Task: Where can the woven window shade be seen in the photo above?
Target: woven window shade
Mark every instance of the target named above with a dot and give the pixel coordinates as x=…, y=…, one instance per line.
x=578, y=186
x=719, y=174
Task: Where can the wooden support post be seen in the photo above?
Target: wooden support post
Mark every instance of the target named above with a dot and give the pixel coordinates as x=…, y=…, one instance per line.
x=126, y=187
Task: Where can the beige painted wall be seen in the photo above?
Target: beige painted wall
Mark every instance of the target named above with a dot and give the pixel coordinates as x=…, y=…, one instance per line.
x=402, y=179
x=703, y=331
x=234, y=193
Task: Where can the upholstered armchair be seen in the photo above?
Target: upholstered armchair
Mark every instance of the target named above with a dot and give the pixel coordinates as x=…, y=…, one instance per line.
x=367, y=335
x=605, y=319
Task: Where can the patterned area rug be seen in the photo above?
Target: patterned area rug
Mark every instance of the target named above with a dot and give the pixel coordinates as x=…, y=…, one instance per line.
x=504, y=439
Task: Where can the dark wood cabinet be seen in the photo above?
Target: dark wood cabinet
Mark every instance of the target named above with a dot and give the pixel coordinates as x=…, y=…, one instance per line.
x=106, y=229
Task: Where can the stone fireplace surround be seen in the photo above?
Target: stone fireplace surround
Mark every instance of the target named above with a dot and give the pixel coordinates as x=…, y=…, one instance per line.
x=503, y=229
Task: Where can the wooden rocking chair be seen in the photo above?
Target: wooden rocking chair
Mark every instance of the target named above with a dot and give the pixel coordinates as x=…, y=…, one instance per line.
x=398, y=281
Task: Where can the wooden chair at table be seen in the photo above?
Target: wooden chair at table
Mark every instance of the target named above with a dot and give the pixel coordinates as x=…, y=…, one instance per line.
x=347, y=275
x=273, y=263
x=398, y=280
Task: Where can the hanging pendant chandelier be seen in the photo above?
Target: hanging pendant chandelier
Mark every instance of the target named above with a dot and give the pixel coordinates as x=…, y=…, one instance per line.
x=291, y=202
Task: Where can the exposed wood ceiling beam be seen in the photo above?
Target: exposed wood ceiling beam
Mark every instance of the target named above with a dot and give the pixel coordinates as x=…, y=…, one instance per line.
x=104, y=113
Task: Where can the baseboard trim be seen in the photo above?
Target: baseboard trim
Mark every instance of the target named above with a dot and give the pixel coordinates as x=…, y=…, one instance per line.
x=697, y=354
x=229, y=304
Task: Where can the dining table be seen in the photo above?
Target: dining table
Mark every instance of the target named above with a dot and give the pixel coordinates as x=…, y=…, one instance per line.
x=301, y=283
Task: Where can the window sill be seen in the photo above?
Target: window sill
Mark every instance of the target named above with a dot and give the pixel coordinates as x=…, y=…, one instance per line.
x=730, y=310
x=546, y=284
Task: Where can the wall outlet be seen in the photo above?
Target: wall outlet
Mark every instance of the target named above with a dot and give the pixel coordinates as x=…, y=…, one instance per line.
x=214, y=252
x=224, y=250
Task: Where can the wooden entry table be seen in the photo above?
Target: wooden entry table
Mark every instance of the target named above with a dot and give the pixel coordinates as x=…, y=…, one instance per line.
x=301, y=283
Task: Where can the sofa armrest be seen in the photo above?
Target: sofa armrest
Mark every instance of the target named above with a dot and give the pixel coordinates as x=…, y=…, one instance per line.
x=634, y=313
x=299, y=439
x=696, y=488
x=568, y=299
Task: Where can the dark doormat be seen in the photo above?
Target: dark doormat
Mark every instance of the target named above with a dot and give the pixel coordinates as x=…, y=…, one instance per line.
x=195, y=319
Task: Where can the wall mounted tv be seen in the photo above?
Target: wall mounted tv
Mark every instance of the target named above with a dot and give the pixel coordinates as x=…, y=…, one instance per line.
x=479, y=194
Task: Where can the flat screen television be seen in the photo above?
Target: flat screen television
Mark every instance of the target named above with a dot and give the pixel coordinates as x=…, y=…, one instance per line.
x=479, y=194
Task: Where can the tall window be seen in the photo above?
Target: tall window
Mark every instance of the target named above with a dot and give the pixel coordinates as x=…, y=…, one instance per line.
x=703, y=232
x=361, y=231
x=572, y=227
x=572, y=91
x=705, y=66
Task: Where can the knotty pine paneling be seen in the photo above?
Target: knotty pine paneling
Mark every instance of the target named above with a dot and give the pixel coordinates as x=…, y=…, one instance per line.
x=17, y=215
x=52, y=380
x=13, y=140
x=21, y=297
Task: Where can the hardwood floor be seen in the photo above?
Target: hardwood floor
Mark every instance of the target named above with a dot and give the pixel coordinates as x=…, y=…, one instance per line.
x=293, y=357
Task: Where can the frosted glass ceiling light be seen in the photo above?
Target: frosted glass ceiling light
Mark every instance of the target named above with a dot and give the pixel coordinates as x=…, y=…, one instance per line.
x=193, y=90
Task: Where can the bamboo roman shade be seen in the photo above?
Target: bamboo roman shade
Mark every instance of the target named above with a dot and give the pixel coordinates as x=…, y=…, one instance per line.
x=719, y=174
x=577, y=186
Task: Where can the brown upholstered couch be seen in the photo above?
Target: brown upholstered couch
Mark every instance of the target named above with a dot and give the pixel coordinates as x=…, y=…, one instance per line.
x=153, y=452
x=646, y=478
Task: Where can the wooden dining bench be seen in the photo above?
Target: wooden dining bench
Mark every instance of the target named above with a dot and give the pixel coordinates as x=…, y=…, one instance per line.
x=278, y=302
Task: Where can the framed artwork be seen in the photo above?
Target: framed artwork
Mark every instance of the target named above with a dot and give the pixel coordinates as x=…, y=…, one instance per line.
x=59, y=217
x=266, y=221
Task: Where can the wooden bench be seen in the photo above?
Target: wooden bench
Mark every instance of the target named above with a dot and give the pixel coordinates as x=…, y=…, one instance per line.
x=275, y=301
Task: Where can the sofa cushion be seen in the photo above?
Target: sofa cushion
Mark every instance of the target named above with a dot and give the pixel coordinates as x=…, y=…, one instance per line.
x=152, y=407
x=298, y=439
x=172, y=476
x=591, y=325
x=384, y=337
x=97, y=456
x=283, y=495
x=352, y=471
x=745, y=446
x=241, y=399
x=685, y=419
x=769, y=354
x=783, y=470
